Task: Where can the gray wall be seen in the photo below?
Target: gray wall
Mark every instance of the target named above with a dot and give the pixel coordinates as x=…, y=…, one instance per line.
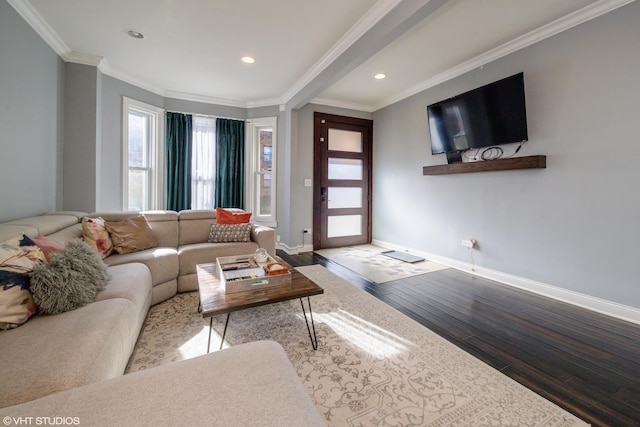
x=31, y=120
x=81, y=137
x=574, y=225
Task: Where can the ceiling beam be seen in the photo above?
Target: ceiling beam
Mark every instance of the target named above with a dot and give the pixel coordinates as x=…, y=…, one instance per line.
x=393, y=24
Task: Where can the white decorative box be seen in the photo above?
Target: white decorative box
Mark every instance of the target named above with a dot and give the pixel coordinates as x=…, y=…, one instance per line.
x=241, y=273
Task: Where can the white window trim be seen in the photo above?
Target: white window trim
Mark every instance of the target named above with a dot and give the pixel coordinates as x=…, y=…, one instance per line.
x=252, y=150
x=156, y=160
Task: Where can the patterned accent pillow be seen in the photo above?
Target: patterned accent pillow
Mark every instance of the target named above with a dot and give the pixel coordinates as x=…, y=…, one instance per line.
x=224, y=216
x=96, y=236
x=18, y=256
x=223, y=233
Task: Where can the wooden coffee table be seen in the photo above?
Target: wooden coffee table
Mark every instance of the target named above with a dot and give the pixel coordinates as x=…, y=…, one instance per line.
x=213, y=300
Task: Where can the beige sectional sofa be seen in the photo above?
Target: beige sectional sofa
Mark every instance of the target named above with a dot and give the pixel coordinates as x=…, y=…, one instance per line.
x=72, y=364
x=182, y=245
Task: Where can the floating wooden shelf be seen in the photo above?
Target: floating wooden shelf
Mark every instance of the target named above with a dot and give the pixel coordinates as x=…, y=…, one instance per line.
x=528, y=162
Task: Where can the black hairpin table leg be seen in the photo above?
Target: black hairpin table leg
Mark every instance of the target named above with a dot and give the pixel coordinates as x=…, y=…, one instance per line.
x=224, y=333
x=314, y=338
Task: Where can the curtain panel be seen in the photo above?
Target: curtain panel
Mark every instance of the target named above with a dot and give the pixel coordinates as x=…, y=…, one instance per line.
x=178, y=160
x=203, y=164
x=230, y=163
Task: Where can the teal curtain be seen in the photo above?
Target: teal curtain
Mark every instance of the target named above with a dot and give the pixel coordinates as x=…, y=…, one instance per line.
x=229, y=163
x=178, y=161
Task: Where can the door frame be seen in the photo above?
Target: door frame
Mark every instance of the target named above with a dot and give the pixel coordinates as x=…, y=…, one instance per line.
x=317, y=168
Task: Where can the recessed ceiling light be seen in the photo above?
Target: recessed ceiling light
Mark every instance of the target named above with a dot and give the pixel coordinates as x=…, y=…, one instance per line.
x=135, y=34
x=248, y=60
x=380, y=76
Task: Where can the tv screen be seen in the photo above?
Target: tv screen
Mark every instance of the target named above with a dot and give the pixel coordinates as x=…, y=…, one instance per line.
x=489, y=115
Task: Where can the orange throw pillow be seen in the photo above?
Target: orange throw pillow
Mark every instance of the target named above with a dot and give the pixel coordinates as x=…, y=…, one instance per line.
x=224, y=216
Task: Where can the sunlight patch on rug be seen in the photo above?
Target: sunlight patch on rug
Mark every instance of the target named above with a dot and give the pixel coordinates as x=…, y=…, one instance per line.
x=368, y=261
x=365, y=335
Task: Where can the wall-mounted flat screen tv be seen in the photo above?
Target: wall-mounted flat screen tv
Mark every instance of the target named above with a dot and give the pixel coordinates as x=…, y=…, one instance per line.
x=489, y=115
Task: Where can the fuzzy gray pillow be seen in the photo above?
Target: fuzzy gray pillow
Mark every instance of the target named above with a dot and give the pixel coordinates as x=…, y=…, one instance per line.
x=71, y=279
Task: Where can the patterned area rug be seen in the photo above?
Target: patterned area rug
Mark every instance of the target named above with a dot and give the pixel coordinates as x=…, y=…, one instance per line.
x=368, y=261
x=374, y=366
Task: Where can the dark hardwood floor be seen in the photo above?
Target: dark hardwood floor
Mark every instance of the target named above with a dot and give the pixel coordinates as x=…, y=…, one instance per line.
x=585, y=362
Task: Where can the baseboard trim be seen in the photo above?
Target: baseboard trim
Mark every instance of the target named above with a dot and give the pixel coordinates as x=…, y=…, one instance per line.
x=599, y=305
x=294, y=250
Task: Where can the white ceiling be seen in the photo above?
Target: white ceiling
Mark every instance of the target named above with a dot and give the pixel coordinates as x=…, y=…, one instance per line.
x=327, y=51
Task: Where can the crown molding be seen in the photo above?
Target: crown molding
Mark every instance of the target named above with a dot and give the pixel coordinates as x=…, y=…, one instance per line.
x=205, y=99
x=377, y=12
x=266, y=102
x=107, y=69
x=343, y=104
x=40, y=26
x=571, y=20
x=84, y=58
x=364, y=24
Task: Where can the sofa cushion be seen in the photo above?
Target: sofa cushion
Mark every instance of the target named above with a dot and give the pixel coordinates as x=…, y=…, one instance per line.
x=195, y=225
x=202, y=253
x=70, y=280
x=9, y=231
x=224, y=233
x=246, y=385
x=51, y=353
x=96, y=235
x=67, y=234
x=162, y=262
x=129, y=281
x=47, y=224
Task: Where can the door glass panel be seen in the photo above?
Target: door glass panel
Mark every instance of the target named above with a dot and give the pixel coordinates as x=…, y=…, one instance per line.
x=345, y=197
x=345, y=168
x=344, y=225
x=345, y=140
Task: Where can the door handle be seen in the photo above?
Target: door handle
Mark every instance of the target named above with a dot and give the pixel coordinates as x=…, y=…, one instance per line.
x=323, y=194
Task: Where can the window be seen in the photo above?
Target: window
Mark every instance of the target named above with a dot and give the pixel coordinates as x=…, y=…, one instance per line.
x=261, y=169
x=203, y=163
x=143, y=128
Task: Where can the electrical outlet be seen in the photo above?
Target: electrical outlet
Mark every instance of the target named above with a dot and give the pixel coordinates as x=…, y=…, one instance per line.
x=470, y=243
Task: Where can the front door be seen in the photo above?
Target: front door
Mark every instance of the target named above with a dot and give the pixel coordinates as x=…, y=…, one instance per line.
x=342, y=181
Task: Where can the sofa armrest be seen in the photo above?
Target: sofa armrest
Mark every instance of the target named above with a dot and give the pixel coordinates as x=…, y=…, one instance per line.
x=265, y=237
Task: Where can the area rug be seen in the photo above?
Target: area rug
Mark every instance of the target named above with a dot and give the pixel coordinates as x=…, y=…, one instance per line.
x=368, y=261
x=374, y=365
